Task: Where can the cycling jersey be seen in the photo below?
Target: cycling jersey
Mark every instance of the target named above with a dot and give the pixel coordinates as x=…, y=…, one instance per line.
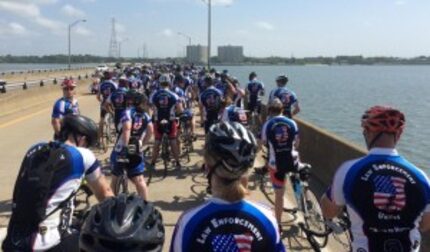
x=221, y=86
x=211, y=99
x=139, y=124
x=165, y=102
x=255, y=90
x=287, y=97
x=107, y=87
x=76, y=163
x=385, y=196
x=64, y=106
x=218, y=225
x=280, y=133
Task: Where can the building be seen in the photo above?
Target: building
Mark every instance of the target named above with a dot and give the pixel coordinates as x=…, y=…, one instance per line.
x=197, y=54
x=230, y=54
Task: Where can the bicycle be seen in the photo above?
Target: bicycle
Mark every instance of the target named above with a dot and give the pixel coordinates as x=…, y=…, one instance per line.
x=307, y=203
x=109, y=131
x=186, y=137
x=336, y=227
x=254, y=123
x=165, y=154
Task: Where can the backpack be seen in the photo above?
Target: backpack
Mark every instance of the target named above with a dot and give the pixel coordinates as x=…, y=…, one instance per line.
x=34, y=182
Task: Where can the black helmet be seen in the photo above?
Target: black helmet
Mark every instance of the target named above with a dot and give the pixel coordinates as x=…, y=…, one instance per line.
x=131, y=94
x=140, y=99
x=81, y=125
x=230, y=149
x=252, y=75
x=208, y=80
x=123, y=223
x=282, y=79
x=238, y=115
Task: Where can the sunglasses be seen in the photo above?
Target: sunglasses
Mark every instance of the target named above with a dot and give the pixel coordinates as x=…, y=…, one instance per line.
x=69, y=88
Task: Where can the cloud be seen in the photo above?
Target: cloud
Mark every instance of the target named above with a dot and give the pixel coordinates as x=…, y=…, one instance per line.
x=167, y=33
x=400, y=2
x=120, y=28
x=83, y=31
x=222, y=2
x=38, y=2
x=88, y=1
x=12, y=29
x=31, y=11
x=265, y=26
x=71, y=11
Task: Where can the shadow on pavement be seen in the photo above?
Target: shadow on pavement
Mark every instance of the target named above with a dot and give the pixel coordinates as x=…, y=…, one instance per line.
x=179, y=204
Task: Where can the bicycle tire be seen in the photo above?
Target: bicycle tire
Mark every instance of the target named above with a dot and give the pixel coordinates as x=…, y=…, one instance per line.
x=148, y=175
x=314, y=220
x=121, y=185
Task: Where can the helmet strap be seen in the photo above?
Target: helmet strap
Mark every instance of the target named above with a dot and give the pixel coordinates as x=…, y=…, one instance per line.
x=372, y=142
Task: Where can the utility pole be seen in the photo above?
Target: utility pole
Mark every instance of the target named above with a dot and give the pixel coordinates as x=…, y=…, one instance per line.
x=70, y=40
x=113, y=45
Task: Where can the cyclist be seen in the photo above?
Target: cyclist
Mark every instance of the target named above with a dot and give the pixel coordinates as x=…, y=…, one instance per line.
x=228, y=222
x=238, y=94
x=123, y=223
x=46, y=186
x=106, y=88
x=387, y=197
x=115, y=103
x=67, y=104
x=281, y=135
x=211, y=101
x=233, y=113
x=135, y=130
x=254, y=90
x=165, y=104
x=287, y=97
x=185, y=93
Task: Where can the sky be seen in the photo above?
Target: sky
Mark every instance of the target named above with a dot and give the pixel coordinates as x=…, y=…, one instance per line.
x=299, y=28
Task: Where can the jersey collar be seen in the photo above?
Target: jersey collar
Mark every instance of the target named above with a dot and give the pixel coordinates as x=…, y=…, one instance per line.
x=383, y=151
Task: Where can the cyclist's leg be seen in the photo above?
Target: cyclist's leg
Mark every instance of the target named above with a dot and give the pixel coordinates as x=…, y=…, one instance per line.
x=135, y=174
x=278, y=182
x=157, y=142
x=173, y=136
x=103, y=113
x=116, y=171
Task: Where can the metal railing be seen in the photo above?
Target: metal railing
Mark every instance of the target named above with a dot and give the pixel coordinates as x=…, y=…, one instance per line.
x=32, y=71
x=7, y=86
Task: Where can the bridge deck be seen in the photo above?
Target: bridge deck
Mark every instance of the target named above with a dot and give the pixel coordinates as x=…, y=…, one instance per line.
x=177, y=192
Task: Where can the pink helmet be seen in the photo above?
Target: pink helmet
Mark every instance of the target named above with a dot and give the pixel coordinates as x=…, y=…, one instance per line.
x=68, y=83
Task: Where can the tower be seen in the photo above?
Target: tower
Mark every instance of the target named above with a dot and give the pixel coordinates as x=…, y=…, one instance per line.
x=113, y=44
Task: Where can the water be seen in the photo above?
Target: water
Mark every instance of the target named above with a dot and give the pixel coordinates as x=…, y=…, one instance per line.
x=6, y=67
x=335, y=97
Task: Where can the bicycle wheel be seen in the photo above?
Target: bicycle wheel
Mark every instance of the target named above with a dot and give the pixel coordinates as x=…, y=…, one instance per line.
x=314, y=220
x=121, y=185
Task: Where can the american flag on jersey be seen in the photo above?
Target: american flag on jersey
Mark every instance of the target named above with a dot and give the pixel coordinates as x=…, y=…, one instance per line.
x=232, y=243
x=389, y=194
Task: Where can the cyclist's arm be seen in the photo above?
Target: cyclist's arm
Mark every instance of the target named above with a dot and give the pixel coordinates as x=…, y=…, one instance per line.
x=100, y=187
x=425, y=222
x=333, y=200
x=99, y=94
x=148, y=134
x=56, y=125
x=296, y=108
x=126, y=132
x=179, y=108
x=329, y=208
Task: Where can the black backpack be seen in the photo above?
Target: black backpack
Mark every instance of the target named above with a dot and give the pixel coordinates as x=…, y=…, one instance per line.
x=34, y=184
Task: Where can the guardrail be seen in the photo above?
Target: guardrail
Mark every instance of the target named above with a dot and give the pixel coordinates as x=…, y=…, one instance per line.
x=31, y=71
x=5, y=86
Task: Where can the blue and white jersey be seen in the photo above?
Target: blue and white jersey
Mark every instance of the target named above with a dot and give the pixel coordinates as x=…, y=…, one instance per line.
x=211, y=99
x=64, y=107
x=385, y=196
x=287, y=97
x=139, y=123
x=218, y=226
x=255, y=89
x=107, y=87
x=77, y=163
x=165, y=102
x=221, y=86
x=280, y=133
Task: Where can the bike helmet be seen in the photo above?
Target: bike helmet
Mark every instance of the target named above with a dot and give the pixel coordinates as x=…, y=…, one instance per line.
x=68, y=83
x=81, y=125
x=164, y=78
x=252, y=75
x=140, y=99
x=123, y=223
x=238, y=115
x=383, y=119
x=282, y=79
x=108, y=75
x=123, y=81
x=230, y=150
